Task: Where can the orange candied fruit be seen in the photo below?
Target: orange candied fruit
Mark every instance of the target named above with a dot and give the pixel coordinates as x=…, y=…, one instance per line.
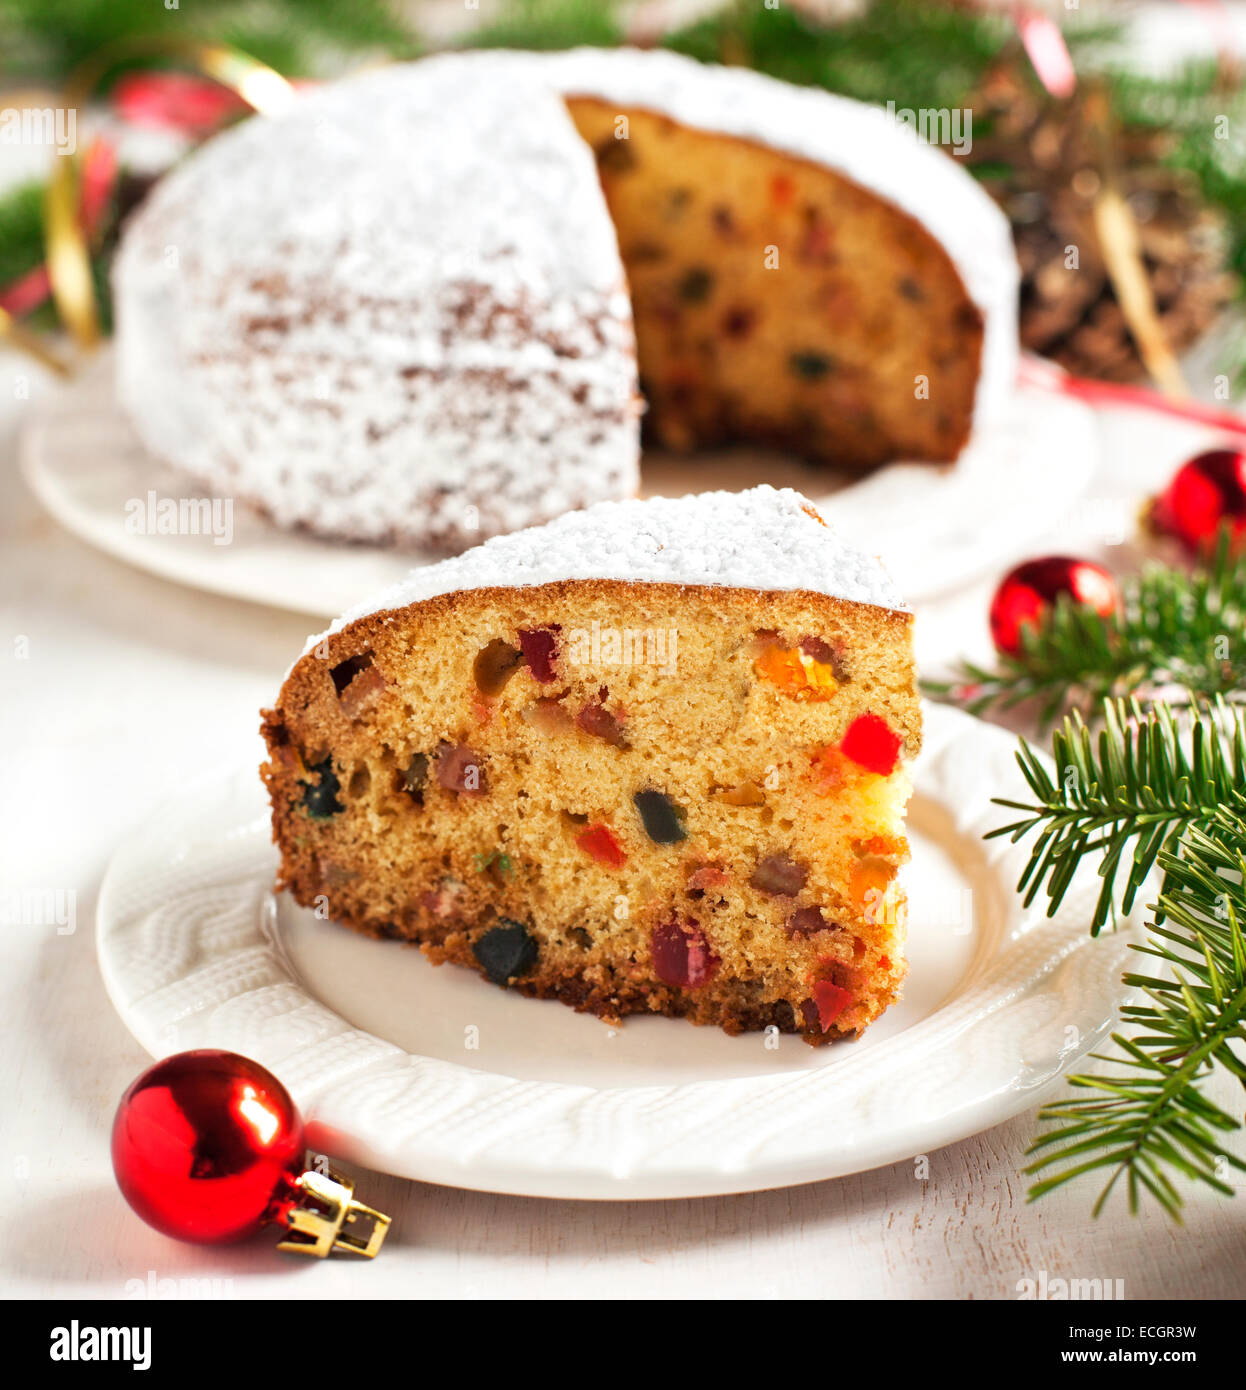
x=831, y=770
x=796, y=673
x=782, y=190
x=599, y=843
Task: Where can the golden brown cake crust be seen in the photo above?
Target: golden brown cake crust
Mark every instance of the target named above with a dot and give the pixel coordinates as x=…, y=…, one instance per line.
x=376, y=831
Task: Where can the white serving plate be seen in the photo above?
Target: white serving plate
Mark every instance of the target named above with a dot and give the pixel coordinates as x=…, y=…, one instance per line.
x=936, y=528
x=372, y=1040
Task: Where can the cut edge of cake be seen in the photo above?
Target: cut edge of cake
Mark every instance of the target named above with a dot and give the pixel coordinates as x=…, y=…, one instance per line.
x=712, y=841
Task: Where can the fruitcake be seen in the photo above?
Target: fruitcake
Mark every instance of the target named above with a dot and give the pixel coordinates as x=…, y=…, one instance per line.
x=803, y=272
x=648, y=758
x=398, y=312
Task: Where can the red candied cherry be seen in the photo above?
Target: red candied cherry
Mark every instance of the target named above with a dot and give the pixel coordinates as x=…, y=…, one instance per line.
x=872, y=744
x=1028, y=591
x=681, y=955
x=830, y=1000
x=599, y=843
x=539, y=646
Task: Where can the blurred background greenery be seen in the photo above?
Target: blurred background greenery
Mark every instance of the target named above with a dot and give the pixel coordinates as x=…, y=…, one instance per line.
x=1041, y=156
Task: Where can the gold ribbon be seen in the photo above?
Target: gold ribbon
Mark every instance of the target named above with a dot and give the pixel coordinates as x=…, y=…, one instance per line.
x=68, y=254
x=1119, y=243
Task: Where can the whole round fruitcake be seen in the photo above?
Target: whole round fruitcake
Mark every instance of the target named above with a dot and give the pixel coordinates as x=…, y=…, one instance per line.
x=648, y=758
x=409, y=310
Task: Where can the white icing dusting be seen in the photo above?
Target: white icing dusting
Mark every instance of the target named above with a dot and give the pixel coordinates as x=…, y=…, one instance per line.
x=397, y=313
x=399, y=301
x=862, y=142
x=765, y=538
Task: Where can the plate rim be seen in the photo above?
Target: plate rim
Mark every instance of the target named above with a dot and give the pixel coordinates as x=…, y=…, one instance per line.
x=1067, y=473
x=333, y=1125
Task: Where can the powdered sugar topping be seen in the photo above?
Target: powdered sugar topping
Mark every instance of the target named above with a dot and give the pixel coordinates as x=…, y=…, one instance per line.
x=765, y=538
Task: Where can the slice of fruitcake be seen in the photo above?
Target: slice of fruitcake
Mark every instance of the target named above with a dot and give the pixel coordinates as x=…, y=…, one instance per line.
x=646, y=758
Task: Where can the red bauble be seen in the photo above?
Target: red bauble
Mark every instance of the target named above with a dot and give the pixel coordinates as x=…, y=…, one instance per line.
x=1026, y=592
x=208, y=1146
x=1204, y=493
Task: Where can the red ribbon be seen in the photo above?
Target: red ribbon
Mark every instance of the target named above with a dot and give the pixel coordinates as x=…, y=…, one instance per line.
x=1046, y=376
x=175, y=100
x=99, y=174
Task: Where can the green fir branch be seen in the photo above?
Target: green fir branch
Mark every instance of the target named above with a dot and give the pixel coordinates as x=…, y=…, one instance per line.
x=1148, y=795
x=1173, y=628
x=1152, y=1121
x=1129, y=795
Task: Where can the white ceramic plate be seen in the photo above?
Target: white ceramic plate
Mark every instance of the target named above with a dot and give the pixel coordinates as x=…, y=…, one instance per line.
x=373, y=1041
x=936, y=528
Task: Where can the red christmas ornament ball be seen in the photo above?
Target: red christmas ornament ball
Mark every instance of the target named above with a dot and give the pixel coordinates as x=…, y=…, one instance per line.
x=1205, y=492
x=1027, y=591
x=206, y=1146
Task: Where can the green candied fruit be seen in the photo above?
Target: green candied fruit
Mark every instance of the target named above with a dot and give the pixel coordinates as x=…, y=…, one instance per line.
x=812, y=366
x=662, y=819
x=320, y=799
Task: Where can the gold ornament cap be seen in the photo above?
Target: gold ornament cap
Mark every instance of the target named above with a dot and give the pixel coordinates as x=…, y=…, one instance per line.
x=325, y=1217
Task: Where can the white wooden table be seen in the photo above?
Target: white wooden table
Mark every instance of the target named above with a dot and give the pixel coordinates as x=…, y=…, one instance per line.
x=113, y=686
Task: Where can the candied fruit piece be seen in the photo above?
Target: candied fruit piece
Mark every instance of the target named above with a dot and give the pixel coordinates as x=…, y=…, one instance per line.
x=345, y=671
x=811, y=366
x=795, y=672
x=495, y=664
x=362, y=693
x=681, y=954
x=893, y=847
x=831, y=771
x=320, y=797
x=459, y=769
x=819, y=650
x=695, y=285
x=806, y=921
x=497, y=864
x=506, y=951
x=599, y=842
x=597, y=720
x=779, y=875
x=662, y=819
x=706, y=876
x=738, y=322
x=871, y=881
x=547, y=716
x=539, y=646
x=782, y=190
x=872, y=744
x=830, y=1000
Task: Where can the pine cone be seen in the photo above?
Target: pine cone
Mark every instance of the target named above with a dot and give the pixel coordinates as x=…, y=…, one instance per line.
x=1037, y=160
